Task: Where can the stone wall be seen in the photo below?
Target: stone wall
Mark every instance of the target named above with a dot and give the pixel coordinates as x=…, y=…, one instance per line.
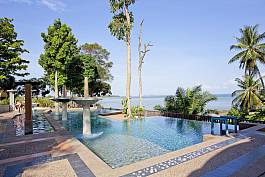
x=4, y=108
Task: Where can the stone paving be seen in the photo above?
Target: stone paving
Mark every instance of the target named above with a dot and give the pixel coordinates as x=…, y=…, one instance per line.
x=76, y=163
x=179, y=160
x=19, y=153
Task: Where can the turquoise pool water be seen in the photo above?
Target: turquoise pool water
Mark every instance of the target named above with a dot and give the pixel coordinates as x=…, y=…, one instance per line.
x=125, y=142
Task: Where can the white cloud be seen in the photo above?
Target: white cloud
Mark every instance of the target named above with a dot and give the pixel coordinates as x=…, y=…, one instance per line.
x=55, y=5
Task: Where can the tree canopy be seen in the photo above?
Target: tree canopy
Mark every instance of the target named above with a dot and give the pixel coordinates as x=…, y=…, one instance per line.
x=11, y=48
x=92, y=62
x=39, y=87
x=101, y=57
x=59, y=50
x=121, y=25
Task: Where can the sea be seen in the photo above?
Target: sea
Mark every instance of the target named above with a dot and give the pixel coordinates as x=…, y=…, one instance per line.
x=223, y=102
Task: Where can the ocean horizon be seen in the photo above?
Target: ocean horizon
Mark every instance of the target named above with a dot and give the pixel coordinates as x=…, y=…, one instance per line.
x=223, y=102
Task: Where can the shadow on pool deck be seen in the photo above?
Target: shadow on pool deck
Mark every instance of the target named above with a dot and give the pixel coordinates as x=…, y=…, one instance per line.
x=242, y=159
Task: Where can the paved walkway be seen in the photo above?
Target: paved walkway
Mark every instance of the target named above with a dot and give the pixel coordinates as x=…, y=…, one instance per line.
x=24, y=155
x=236, y=165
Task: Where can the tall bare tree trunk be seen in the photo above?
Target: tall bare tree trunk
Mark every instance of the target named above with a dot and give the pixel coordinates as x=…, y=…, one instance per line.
x=140, y=87
x=56, y=91
x=142, y=54
x=140, y=65
x=86, y=89
x=128, y=42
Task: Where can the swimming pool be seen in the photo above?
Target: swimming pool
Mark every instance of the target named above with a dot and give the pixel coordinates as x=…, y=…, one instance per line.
x=126, y=142
x=39, y=124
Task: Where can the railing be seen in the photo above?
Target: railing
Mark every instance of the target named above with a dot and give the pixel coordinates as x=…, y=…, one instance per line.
x=149, y=113
x=177, y=115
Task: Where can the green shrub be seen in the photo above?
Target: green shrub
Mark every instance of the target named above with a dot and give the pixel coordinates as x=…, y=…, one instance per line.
x=137, y=111
x=158, y=107
x=4, y=101
x=43, y=102
x=235, y=112
x=124, y=103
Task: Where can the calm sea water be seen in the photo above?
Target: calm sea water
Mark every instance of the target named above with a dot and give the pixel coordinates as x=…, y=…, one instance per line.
x=223, y=102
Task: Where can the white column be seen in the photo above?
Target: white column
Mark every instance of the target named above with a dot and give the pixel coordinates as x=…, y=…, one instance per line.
x=86, y=120
x=56, y=92
x=64, y=105
x=12, y=100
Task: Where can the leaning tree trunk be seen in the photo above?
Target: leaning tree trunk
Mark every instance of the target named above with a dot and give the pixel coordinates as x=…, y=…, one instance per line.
x=86, y=90
x=261, y=80
x=128, y=42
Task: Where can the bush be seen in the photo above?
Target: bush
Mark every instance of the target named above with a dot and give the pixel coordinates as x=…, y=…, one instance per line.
x=124, y=103
x=4, y=101
x=137, y=111
x=43, y=102
x=158, y=107
x=235, y=112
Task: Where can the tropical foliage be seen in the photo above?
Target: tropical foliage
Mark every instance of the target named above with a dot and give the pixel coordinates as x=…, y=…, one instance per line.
x=124, y=103
x=251, y=47
x=11, y=48
x=251, y=50
x=189, y=101
x=137, y=111
x=43, y=102
x=248, y=97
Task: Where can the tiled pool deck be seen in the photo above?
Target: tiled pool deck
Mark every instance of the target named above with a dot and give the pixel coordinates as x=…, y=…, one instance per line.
x=218, y=156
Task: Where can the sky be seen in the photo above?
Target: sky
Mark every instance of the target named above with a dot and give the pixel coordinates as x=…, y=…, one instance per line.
x=190, y=38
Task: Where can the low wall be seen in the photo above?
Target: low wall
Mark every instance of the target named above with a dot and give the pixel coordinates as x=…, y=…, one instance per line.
x=245, y=125
x=177, y=115
x=4, y=108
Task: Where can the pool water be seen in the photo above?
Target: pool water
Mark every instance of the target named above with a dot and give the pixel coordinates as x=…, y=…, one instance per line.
x=39, y=124
x=126, y=142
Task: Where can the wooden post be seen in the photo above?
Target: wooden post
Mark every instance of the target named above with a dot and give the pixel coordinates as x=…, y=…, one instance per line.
x=235, y=122
x=226, y=127
x=212, y=126
x=28, y=110
x=221, y=127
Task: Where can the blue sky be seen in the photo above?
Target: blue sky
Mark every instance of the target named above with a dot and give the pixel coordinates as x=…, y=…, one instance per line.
x=191, y=38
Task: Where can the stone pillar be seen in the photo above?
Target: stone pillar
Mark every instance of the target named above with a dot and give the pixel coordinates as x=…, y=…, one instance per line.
x=28, y=110
x=12, y=99
x=86, y=90
x=56, y=92
x=86, y=120
x=64, y=105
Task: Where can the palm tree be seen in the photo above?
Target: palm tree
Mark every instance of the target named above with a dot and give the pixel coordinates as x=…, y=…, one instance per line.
x=248, y=96
x=251, y=50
